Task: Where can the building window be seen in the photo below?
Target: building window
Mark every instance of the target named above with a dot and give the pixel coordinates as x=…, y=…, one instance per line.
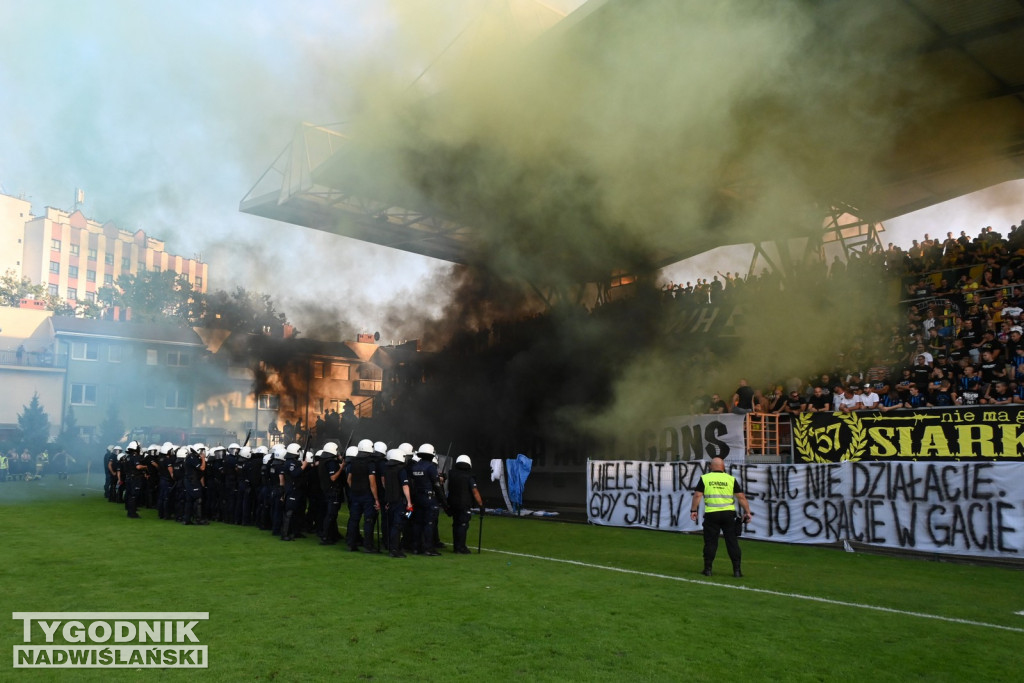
x=84, y=351
x=268, y=402
x=152, y=357
x=199, y=282
x=55, y=245
x=318, y=405
x=54, y=266
x=72, y=271
x=92, y=254
x=108, y=280
x=240, y=372
x=108, y=258
x=53, y=290
x=72, y=294
x=90, y=297
x=74, y=249
x=114, y=353
x=318, y=369
x=90, y=276
x=126, y=263
x=339, y=371
x=178, y=358
x=176, y=399
x=156, y=268
x=151, y=398
x=83, y=394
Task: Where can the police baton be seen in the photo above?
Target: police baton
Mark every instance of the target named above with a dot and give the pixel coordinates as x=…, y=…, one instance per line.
x=480, y=537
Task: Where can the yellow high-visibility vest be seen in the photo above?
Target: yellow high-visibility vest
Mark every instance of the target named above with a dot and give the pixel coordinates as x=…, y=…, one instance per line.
x=718, y=488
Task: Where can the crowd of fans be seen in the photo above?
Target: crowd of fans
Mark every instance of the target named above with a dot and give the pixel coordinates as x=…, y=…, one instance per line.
x=960, y=342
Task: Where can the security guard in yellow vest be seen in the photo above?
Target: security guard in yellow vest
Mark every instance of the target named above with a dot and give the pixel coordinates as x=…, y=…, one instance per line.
x=720, y=492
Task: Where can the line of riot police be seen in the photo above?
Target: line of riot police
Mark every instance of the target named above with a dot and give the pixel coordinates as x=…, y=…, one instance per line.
x=394, y=495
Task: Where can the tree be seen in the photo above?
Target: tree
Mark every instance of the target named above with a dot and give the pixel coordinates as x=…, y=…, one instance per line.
x=33, y=427
x=13, y=290
x=68, y=439
x=112, y=428
x=242, y=311
x=155, y=297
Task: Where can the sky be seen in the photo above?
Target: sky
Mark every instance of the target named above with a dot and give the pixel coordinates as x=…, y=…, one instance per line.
x=167, y=113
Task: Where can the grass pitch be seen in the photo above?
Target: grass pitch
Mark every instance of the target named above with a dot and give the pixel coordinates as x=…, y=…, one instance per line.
x=629, y=604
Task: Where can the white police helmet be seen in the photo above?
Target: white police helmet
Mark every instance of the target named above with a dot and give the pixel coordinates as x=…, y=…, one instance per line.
x=293, y=449
x=330, y=448
x=166, y=448
x=260, y=450
x=406, y=448
x=380, y=447
x=396, y=455
x=233, y=446
x=199, y=447
x=351, y=451
x=365, y=446
x=266, y=458
x=182, y=452
x=245, y=452
x=463, y=460
x=426, y=449
x=309, y=457
x=132, y=446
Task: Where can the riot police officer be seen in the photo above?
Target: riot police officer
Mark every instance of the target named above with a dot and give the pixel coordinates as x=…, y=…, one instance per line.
x=425, y=485
x=134, y=471
x=363, y=503
x=462, y=492
x=110, y=480
x=331, y=468
x=248, y=483
x=397, y=500
x=195, y=467
x=292, y=481
x=165, y=475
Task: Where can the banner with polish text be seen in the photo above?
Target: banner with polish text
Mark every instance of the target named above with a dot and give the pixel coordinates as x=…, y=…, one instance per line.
x=957, y=508
x=959, y=433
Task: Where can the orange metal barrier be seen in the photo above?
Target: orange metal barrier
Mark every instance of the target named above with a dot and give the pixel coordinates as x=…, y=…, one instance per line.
x=768, y=435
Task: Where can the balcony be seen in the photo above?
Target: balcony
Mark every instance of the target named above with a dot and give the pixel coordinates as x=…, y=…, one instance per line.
x=34, y=359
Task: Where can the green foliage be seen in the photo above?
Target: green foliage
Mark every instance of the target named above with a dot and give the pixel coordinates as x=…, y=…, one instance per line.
x=112, y=428
x=33, y=427
x=154, y=296
x=68, y=439
x=13, y=290
x=276, y=608
x=241, y=311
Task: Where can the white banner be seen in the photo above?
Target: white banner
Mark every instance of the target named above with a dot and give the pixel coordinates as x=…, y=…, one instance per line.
x=963, y=508
x=687, y=437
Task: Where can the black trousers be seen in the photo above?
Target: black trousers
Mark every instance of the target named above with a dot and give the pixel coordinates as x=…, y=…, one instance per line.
x=721, y=523
x=460, y=527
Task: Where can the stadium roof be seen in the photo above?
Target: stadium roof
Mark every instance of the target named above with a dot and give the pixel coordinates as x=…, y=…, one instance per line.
x=974, y=46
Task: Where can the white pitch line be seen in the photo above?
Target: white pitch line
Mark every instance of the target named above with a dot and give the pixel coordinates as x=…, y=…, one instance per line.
x=765, y=591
